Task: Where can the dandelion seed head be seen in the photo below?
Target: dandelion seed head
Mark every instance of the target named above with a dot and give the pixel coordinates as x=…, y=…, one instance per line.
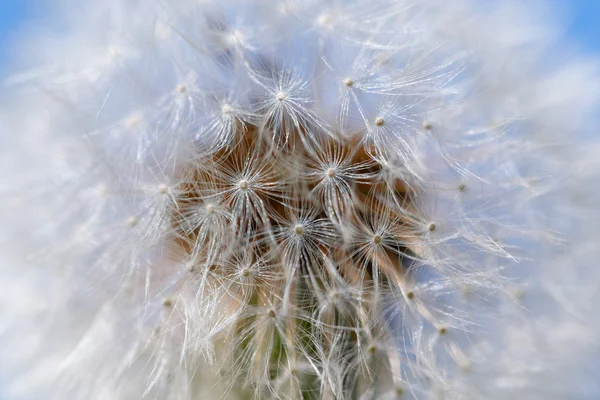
x=215, y=203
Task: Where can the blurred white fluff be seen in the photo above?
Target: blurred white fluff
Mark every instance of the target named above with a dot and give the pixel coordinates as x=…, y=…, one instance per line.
x=465, y=103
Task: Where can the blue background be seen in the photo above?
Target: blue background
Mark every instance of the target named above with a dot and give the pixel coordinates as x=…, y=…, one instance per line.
x=583, y=21
x=584, y=24
x=12, y=12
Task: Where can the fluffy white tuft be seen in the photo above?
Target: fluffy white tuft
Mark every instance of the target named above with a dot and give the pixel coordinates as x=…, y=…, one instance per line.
x=299, y=199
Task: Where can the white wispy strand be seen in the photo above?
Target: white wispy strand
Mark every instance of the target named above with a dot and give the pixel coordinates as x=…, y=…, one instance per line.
x=299, y=199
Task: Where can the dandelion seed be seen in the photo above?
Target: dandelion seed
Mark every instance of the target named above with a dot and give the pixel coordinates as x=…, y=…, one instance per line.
x=372, y=349
x=323, y=20
x=112, y=51
x=102, y=190
x=226, y=109
x=235, y=38
x=162, y=188
x=132, y=221
x=519, y=293
x=133, y=120
x=399, y=390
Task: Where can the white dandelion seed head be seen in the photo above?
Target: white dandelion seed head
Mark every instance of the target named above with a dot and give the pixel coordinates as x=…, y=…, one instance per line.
x=307, y=199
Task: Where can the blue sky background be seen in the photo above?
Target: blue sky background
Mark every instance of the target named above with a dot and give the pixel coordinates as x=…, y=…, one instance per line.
x=12, y=12
x=585, y=23
x=584, y=18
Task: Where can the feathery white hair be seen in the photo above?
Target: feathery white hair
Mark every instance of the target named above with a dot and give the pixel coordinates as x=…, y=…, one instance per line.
x=299, y=199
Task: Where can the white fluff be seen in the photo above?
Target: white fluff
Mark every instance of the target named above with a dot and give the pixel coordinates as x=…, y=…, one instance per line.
x=149, y=252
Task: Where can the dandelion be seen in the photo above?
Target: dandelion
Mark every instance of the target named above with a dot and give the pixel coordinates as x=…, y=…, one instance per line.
x=300, y=200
